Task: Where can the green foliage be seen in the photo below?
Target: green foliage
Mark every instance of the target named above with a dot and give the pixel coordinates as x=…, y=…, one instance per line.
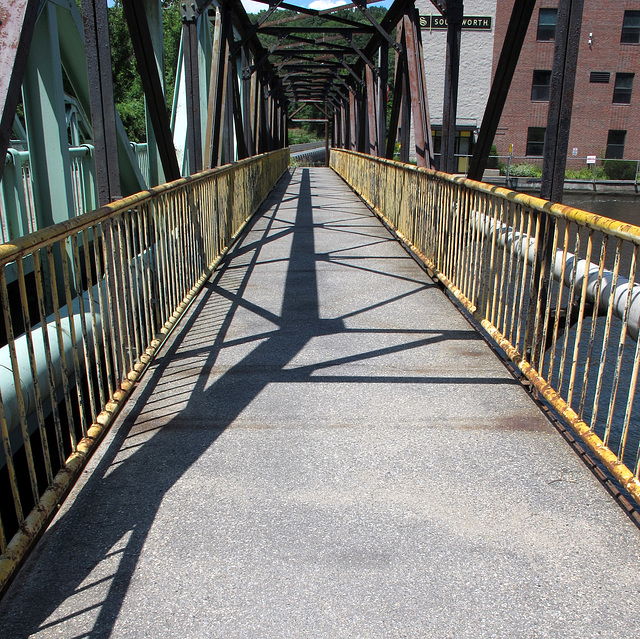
x=620, y=169
x=585, y=173
x=492, y=162
x=525, y=170
x=301, y=136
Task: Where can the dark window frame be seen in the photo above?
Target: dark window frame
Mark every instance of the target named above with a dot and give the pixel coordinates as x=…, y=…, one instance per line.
x=623, y=88
x=541, y=85
x=630, y=28
x=546, y=27
x=616, y=139
x=535, y=141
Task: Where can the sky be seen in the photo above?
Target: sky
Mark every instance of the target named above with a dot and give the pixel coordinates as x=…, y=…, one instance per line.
x=255, y=7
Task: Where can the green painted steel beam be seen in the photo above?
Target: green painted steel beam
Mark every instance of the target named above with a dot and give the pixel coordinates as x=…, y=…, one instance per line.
x=44, y=109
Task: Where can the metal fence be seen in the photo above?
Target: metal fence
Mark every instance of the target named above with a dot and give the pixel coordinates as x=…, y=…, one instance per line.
x=85, y=305
x=554, y=286
x=18, y=214
x=588, y=171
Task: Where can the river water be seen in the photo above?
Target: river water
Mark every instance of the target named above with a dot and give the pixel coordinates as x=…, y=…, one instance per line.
x=625, y=208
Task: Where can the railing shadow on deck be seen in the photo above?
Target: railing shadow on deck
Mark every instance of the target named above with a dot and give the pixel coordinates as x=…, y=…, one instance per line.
x=112, y=515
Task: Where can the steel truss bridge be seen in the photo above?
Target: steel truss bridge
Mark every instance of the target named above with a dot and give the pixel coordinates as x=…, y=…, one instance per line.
x=399, y=460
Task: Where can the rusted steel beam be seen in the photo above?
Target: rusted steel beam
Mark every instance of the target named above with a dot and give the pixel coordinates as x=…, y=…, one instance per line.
x=561, y=98
x=381, y=115
x=279, y=31
x=352, y=121
x=18, y=23
x=372, y=147
x=218, y=86
x=451, y=78
x=398, y=86
x=192, y=81
x=421, y=125
x=555, y=155
x=148, y=69
x=243, y=151
x=103, y=110
x=516, y=32
x=362, y=7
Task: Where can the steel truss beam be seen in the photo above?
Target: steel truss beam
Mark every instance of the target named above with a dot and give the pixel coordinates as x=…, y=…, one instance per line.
x=18, y=24
x=509, y=56
x=145, y=60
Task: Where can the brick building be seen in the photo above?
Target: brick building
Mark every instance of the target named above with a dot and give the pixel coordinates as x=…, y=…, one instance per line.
x=606, y=109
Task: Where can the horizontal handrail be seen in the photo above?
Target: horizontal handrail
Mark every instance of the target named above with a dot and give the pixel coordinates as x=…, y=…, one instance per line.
x=517, y=263
x=91, y=301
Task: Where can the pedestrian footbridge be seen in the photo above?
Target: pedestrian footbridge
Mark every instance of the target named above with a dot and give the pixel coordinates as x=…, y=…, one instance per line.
x=271, y=418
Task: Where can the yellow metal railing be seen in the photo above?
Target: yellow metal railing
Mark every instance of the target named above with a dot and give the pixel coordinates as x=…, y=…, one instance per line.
x=552, y=285
x=85, y=305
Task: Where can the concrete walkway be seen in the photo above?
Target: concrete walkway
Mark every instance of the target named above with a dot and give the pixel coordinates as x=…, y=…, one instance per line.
x=327, y=449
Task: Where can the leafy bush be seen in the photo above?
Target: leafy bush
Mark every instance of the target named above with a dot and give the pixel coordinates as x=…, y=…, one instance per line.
x=300, y=136
x=620, y=169
x=585, y=173
x=525, y=170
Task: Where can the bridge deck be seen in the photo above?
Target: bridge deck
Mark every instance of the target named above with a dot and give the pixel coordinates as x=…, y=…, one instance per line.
x=327, y=448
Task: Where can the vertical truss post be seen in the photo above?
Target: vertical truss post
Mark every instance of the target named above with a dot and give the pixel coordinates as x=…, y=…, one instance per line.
x=452, y=74
x=344, y=110
x=46, y=123
x=556, y=143
x=228, y=137
x=257, y=111
x=103, y=110
x=237, y=108
x=18, y=24
x=352, y=122
x=398, y=84
x=253, y=111
x=383, y=82
x=153, y=11
x=372, y=128
x=190, y=52
x=516, y=32
x=326, y=135
x=421, y=124
x=362, y=121
x=563, y=78
x=247, y=83
x=217, y=87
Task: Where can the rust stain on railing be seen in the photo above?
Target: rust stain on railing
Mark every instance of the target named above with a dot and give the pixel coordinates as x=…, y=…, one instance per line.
x=539, y=278
x=86, y=305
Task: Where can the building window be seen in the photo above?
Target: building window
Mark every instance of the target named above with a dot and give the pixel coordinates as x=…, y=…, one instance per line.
x=535, y=140
x=541, y=86
x=599, y=77
x=547, y=19
x=615, y=145
x=631, y=28
x=622, y=88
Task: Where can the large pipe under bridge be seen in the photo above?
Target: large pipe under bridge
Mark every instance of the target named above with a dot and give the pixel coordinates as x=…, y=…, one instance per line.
x=108, y=286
